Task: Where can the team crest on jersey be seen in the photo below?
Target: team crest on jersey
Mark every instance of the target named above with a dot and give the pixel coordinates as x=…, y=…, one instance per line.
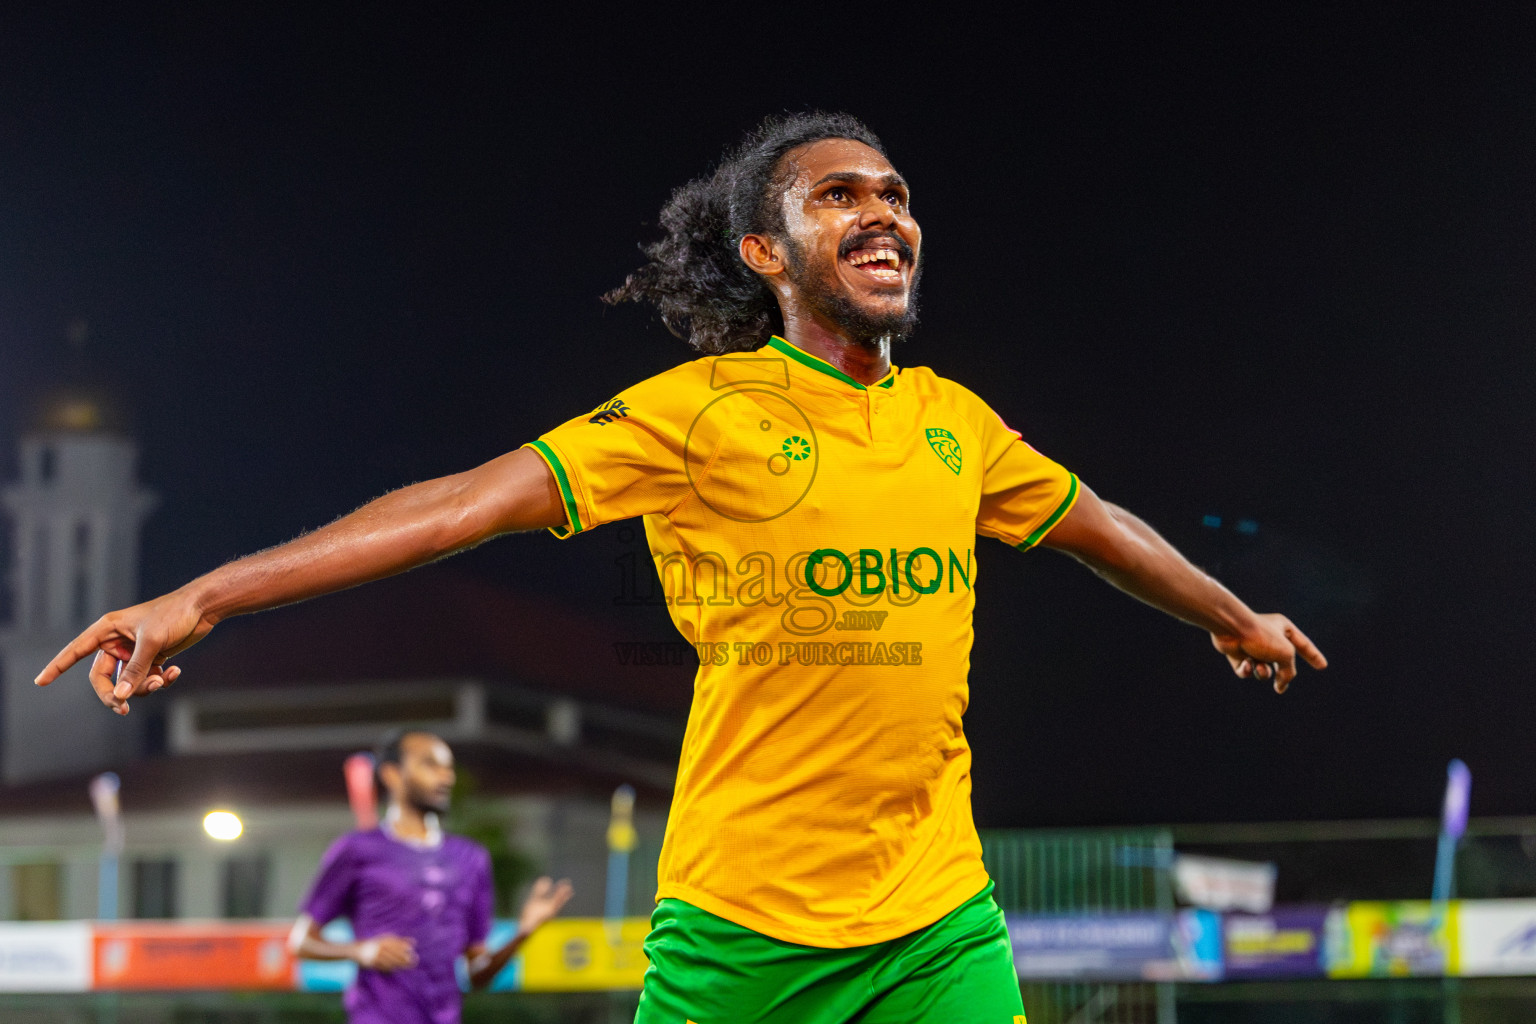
x=606, y=414
x=945, y=447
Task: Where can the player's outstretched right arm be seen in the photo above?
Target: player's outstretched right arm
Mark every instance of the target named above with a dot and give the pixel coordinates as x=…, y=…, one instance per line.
x=403, y=529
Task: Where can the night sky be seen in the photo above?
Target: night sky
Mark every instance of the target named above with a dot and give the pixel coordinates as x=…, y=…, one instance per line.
x=1274, y=268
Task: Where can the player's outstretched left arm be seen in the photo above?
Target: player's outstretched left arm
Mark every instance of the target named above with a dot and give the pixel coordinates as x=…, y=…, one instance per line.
x=1130, y=554
x=543, y=903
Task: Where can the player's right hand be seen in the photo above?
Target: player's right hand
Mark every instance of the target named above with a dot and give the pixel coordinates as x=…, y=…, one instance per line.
x=130, y=648
x=387, y=953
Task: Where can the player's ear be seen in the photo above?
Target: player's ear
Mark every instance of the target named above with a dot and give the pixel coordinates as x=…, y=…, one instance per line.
x=389, y=776
x=762, y=254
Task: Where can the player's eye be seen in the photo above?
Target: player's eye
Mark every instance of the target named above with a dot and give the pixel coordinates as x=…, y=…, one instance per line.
x=895, y=199
x=837, y=195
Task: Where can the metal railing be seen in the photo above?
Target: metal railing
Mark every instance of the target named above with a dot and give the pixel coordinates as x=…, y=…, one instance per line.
x=1085, y=871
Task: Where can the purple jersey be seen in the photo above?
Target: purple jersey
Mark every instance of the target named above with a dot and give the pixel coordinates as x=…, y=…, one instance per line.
x=439, y=896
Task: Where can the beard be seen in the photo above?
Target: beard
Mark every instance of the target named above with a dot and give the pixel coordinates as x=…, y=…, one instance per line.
x=819, y=287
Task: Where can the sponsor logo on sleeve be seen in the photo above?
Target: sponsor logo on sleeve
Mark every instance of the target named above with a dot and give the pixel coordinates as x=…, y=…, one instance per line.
x=606, y=414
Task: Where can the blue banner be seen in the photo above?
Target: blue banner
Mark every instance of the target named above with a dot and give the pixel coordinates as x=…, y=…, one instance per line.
x=1146, y=946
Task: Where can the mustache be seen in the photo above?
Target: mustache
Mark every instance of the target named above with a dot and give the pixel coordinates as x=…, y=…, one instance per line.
x=863, y=238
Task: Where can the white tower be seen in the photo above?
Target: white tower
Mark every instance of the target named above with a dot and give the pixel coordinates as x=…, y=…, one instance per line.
x=75, y=516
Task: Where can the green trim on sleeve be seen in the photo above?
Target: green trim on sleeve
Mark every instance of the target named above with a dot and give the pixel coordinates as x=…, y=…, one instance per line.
x=548, y=455
x=1061, y=510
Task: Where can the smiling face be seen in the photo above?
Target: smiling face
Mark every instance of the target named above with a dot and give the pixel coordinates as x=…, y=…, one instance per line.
x=849, y=255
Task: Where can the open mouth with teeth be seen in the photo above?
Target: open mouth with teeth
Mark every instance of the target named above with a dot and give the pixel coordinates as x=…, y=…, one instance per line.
x=881, y=264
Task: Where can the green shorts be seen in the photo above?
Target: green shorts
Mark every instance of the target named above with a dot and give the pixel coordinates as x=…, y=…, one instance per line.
x=706, y=970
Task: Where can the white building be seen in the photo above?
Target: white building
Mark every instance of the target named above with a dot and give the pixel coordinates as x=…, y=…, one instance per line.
x=535, y=700
x=75, y=516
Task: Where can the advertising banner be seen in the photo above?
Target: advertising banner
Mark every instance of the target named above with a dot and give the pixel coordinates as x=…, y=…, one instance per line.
x=1285, y=943
x=1411, y=938
x=1118, y=947
x=45, y=957
x=206, y=955
x=1470, y=938
x=1497, y=937
x=579, y=954
x=1217, y=883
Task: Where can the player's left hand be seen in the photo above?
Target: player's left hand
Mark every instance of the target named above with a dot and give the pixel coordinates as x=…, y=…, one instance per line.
x=1269, y=650
x=543, y=903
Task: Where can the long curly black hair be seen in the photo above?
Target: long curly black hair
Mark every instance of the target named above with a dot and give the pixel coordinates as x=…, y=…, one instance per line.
x=694, y=274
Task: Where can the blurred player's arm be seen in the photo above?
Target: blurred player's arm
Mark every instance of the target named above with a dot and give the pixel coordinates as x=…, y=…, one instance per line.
x=380, y=953
x=1131, y=555
x=543, y=903
x=399, y=531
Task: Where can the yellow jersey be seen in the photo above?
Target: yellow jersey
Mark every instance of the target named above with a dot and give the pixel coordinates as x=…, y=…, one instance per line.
x=814, y=539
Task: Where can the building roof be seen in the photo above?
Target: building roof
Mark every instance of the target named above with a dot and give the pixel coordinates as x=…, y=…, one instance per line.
x=414, y=632
x=439, y=622
x=268, y=778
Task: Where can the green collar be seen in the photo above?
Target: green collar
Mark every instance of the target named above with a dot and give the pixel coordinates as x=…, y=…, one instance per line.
x=804, y=358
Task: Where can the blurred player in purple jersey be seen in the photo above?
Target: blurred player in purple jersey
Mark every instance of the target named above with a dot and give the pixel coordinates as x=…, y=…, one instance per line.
x=418, y=899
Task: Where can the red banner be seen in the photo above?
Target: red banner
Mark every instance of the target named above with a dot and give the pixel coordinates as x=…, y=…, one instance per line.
x=193, y=956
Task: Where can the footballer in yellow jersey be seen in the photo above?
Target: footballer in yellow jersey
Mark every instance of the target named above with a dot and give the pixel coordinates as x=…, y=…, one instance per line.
x=815, y=540
x=813, y=513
